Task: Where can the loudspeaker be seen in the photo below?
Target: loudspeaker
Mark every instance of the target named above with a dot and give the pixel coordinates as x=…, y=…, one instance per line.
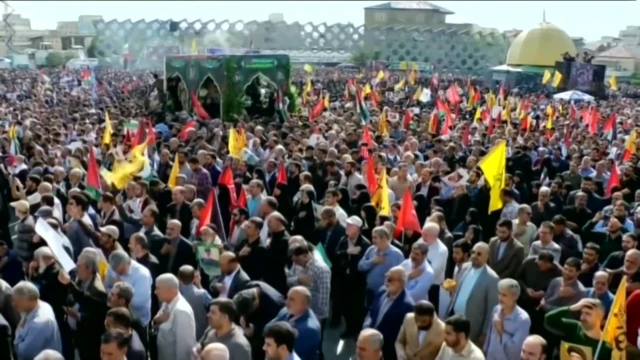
x=173, y=26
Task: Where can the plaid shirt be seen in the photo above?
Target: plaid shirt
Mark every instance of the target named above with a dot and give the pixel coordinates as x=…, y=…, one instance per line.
x=320, y=287
x=201, y=179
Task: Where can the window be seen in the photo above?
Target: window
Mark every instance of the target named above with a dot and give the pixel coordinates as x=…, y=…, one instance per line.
x=380, y=17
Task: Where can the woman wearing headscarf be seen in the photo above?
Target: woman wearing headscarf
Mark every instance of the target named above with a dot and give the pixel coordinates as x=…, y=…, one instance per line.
x=470, y=219
x=285, y=206
x=360, y=199
x=304, y=217
x=368, y=214
x=473, y=234
x=345, y=200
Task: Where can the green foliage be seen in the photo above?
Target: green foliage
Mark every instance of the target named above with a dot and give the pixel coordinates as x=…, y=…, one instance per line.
x=361, y=57
x=92, y=48
x=233, y=94
x=55, y=59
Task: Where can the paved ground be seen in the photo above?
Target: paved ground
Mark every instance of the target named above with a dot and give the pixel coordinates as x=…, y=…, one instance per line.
x=335, y=348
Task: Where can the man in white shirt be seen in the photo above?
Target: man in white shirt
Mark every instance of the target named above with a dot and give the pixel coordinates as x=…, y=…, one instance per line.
x=419, y=272
x=331, y=200
x=438, y=253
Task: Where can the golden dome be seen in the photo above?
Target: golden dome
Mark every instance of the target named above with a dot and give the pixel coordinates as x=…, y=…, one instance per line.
x=542, y=46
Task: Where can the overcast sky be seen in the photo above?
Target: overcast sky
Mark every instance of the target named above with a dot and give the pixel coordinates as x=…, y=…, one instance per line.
x=588, y=19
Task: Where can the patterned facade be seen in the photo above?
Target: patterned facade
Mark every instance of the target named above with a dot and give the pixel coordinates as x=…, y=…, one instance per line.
x=452, y=49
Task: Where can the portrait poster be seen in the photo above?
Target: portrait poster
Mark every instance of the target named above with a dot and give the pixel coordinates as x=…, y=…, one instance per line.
x=569, y=351
x=209, y=259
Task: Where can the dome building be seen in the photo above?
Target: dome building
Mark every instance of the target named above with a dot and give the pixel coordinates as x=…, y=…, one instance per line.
x=542, y=46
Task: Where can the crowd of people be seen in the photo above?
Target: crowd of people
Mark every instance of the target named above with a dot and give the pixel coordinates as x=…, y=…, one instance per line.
x=203, y=254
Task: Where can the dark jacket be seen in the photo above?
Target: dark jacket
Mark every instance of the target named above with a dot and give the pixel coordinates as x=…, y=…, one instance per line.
x=277, y=255
x=22, y=245
x=330, y=238
x=183, y=214
x=254, y=264
x=270, y=302
x=92, y=306
x=184, y=256
x=392, y=319
x=345, y=265
x=6, y=343
x=12, y=271
x=239, y=283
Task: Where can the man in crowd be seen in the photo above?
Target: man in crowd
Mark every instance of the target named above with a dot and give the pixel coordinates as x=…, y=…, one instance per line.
x=222, y=330
x=421, y=334
x=175, y=320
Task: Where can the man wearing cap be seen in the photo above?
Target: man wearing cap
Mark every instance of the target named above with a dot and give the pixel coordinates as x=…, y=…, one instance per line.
x=348, y=280
x=109, y=239
x=25, y=230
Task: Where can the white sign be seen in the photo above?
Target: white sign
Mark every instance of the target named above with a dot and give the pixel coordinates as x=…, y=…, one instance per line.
x=54, y=240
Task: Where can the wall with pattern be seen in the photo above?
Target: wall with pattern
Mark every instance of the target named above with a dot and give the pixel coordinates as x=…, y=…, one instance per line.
x=450, y=50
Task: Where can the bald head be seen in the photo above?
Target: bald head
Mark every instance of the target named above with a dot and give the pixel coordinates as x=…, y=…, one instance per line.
x=298, y=300
x=534, y=348
x=369, y=345
x=215, y=351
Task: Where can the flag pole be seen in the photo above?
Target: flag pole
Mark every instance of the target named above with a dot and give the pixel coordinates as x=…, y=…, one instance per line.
x=606, y=324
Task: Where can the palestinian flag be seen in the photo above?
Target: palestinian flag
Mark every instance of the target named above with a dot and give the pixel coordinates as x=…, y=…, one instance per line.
x=93, y=177
x=361, y=107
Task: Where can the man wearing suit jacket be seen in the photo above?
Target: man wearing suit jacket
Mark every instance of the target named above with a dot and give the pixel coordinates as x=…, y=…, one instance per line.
x=180, y=210
x=389, y=308
x=177, y=250
x=476, y=293
x=233, y=278
x=109, y=215
x=506, y=254
x=301, y=317
x=427, y=187
x=175, y=322
x=89, y=294
x=421, y=334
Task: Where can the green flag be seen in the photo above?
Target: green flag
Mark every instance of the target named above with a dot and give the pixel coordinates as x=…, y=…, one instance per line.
x=321, y=255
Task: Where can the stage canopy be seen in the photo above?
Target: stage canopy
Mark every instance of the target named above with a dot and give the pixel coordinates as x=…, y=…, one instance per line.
x=573, y=95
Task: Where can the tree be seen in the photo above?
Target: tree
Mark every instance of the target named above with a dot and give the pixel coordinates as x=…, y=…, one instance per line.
x=55, y=59
x=361, y=57
x=92, y=48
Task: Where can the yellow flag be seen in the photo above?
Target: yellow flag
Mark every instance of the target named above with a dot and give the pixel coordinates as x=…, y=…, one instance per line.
x=478, y=115
x=106, y=135
x=382, y=126
x=412, y=77
x=381, y=197
x=399, y=86
x=194, y=47
x=308, y=68
x=326, y=101
x=380, y=76
x=125, y=171
x=308, y=87
x=613, y=82
x=546, y=77
x=418, y=94
x=493, y=166
x=491, y=100
x=366, y=90
x=175, y=171
x=557, y=78
x=615, y=330
x=237, y=142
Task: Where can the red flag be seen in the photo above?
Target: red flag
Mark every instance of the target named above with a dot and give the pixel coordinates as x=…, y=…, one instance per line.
x=567, y=138
x=366, y=137
x=593, y=121
x=226, y=179
x=465, y=136
x=151, y=135
x=490, y=129
x=614, y=180
x=198, y=109
x=364, y=152
x=94, y=187
x=407, y=119
x=141, y=134
x=317, y=110
x=407, y=219
x=573, y=112
x=282, y=174
x=375, y=98
x=242, y=198
x=372, y=183
x=610, y=125
x=453, y=95
x=191, y=124
x=448, y=121
x=433, y=122
x=205, y=215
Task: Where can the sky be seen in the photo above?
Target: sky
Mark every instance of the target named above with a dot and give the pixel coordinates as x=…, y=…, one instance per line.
x=588, y=19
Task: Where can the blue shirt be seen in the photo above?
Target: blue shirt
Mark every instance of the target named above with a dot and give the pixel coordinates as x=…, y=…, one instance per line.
x=606, y=299
x=470, y=278
x=377, y=272
x=418, y=288
x=515, y=329
x=601, y=226
x=139, y=278
x=39, y=331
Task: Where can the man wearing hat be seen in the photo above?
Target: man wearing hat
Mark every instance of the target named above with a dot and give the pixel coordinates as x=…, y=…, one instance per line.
x=109, y=236
x=25, y=230
x=348, y=280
